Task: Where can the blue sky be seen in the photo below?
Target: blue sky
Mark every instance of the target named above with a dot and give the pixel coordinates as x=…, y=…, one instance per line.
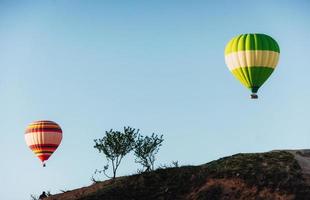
x=154, y=65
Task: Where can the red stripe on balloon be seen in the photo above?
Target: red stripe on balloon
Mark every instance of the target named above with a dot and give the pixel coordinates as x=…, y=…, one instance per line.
x=43, y=146
x=44, y=157
x=50, y=130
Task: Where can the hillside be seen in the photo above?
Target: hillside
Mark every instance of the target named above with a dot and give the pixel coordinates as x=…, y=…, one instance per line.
x=275, y=175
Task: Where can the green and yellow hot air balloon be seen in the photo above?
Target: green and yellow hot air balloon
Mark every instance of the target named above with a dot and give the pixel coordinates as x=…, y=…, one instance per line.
x=252, y=58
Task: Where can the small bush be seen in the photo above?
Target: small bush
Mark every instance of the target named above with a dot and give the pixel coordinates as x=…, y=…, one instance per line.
x=145, y=150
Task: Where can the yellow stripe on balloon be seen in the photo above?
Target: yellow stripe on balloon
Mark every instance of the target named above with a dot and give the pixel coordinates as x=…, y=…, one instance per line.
x=255, y=58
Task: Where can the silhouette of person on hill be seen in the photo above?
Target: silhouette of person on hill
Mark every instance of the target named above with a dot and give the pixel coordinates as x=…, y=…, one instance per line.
x=42, y=196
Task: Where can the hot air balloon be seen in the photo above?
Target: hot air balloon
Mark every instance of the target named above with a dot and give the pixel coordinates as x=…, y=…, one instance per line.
x=252, y=58
x=43, y=137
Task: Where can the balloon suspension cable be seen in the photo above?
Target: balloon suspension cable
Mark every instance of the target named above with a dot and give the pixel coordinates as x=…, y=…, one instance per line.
x=254, y=96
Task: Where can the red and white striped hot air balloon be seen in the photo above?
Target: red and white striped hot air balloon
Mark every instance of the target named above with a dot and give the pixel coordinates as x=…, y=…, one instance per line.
x=43, y=137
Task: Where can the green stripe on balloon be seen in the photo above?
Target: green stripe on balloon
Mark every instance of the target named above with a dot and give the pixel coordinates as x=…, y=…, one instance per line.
x=252, y=77
x=245, y=42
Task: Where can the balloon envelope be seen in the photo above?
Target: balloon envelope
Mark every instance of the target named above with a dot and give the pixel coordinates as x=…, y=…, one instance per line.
x=43, y=137
x=252, y=58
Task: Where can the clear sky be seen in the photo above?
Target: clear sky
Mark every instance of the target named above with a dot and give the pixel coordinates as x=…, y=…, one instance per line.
x=154, y=65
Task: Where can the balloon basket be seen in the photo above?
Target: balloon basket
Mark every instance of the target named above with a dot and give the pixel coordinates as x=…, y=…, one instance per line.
x=254, y=96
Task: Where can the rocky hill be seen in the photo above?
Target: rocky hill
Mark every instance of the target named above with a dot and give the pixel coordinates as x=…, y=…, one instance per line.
x=275, y=175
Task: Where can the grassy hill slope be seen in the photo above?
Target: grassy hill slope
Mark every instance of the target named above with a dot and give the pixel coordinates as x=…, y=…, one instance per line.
x=261, y=176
